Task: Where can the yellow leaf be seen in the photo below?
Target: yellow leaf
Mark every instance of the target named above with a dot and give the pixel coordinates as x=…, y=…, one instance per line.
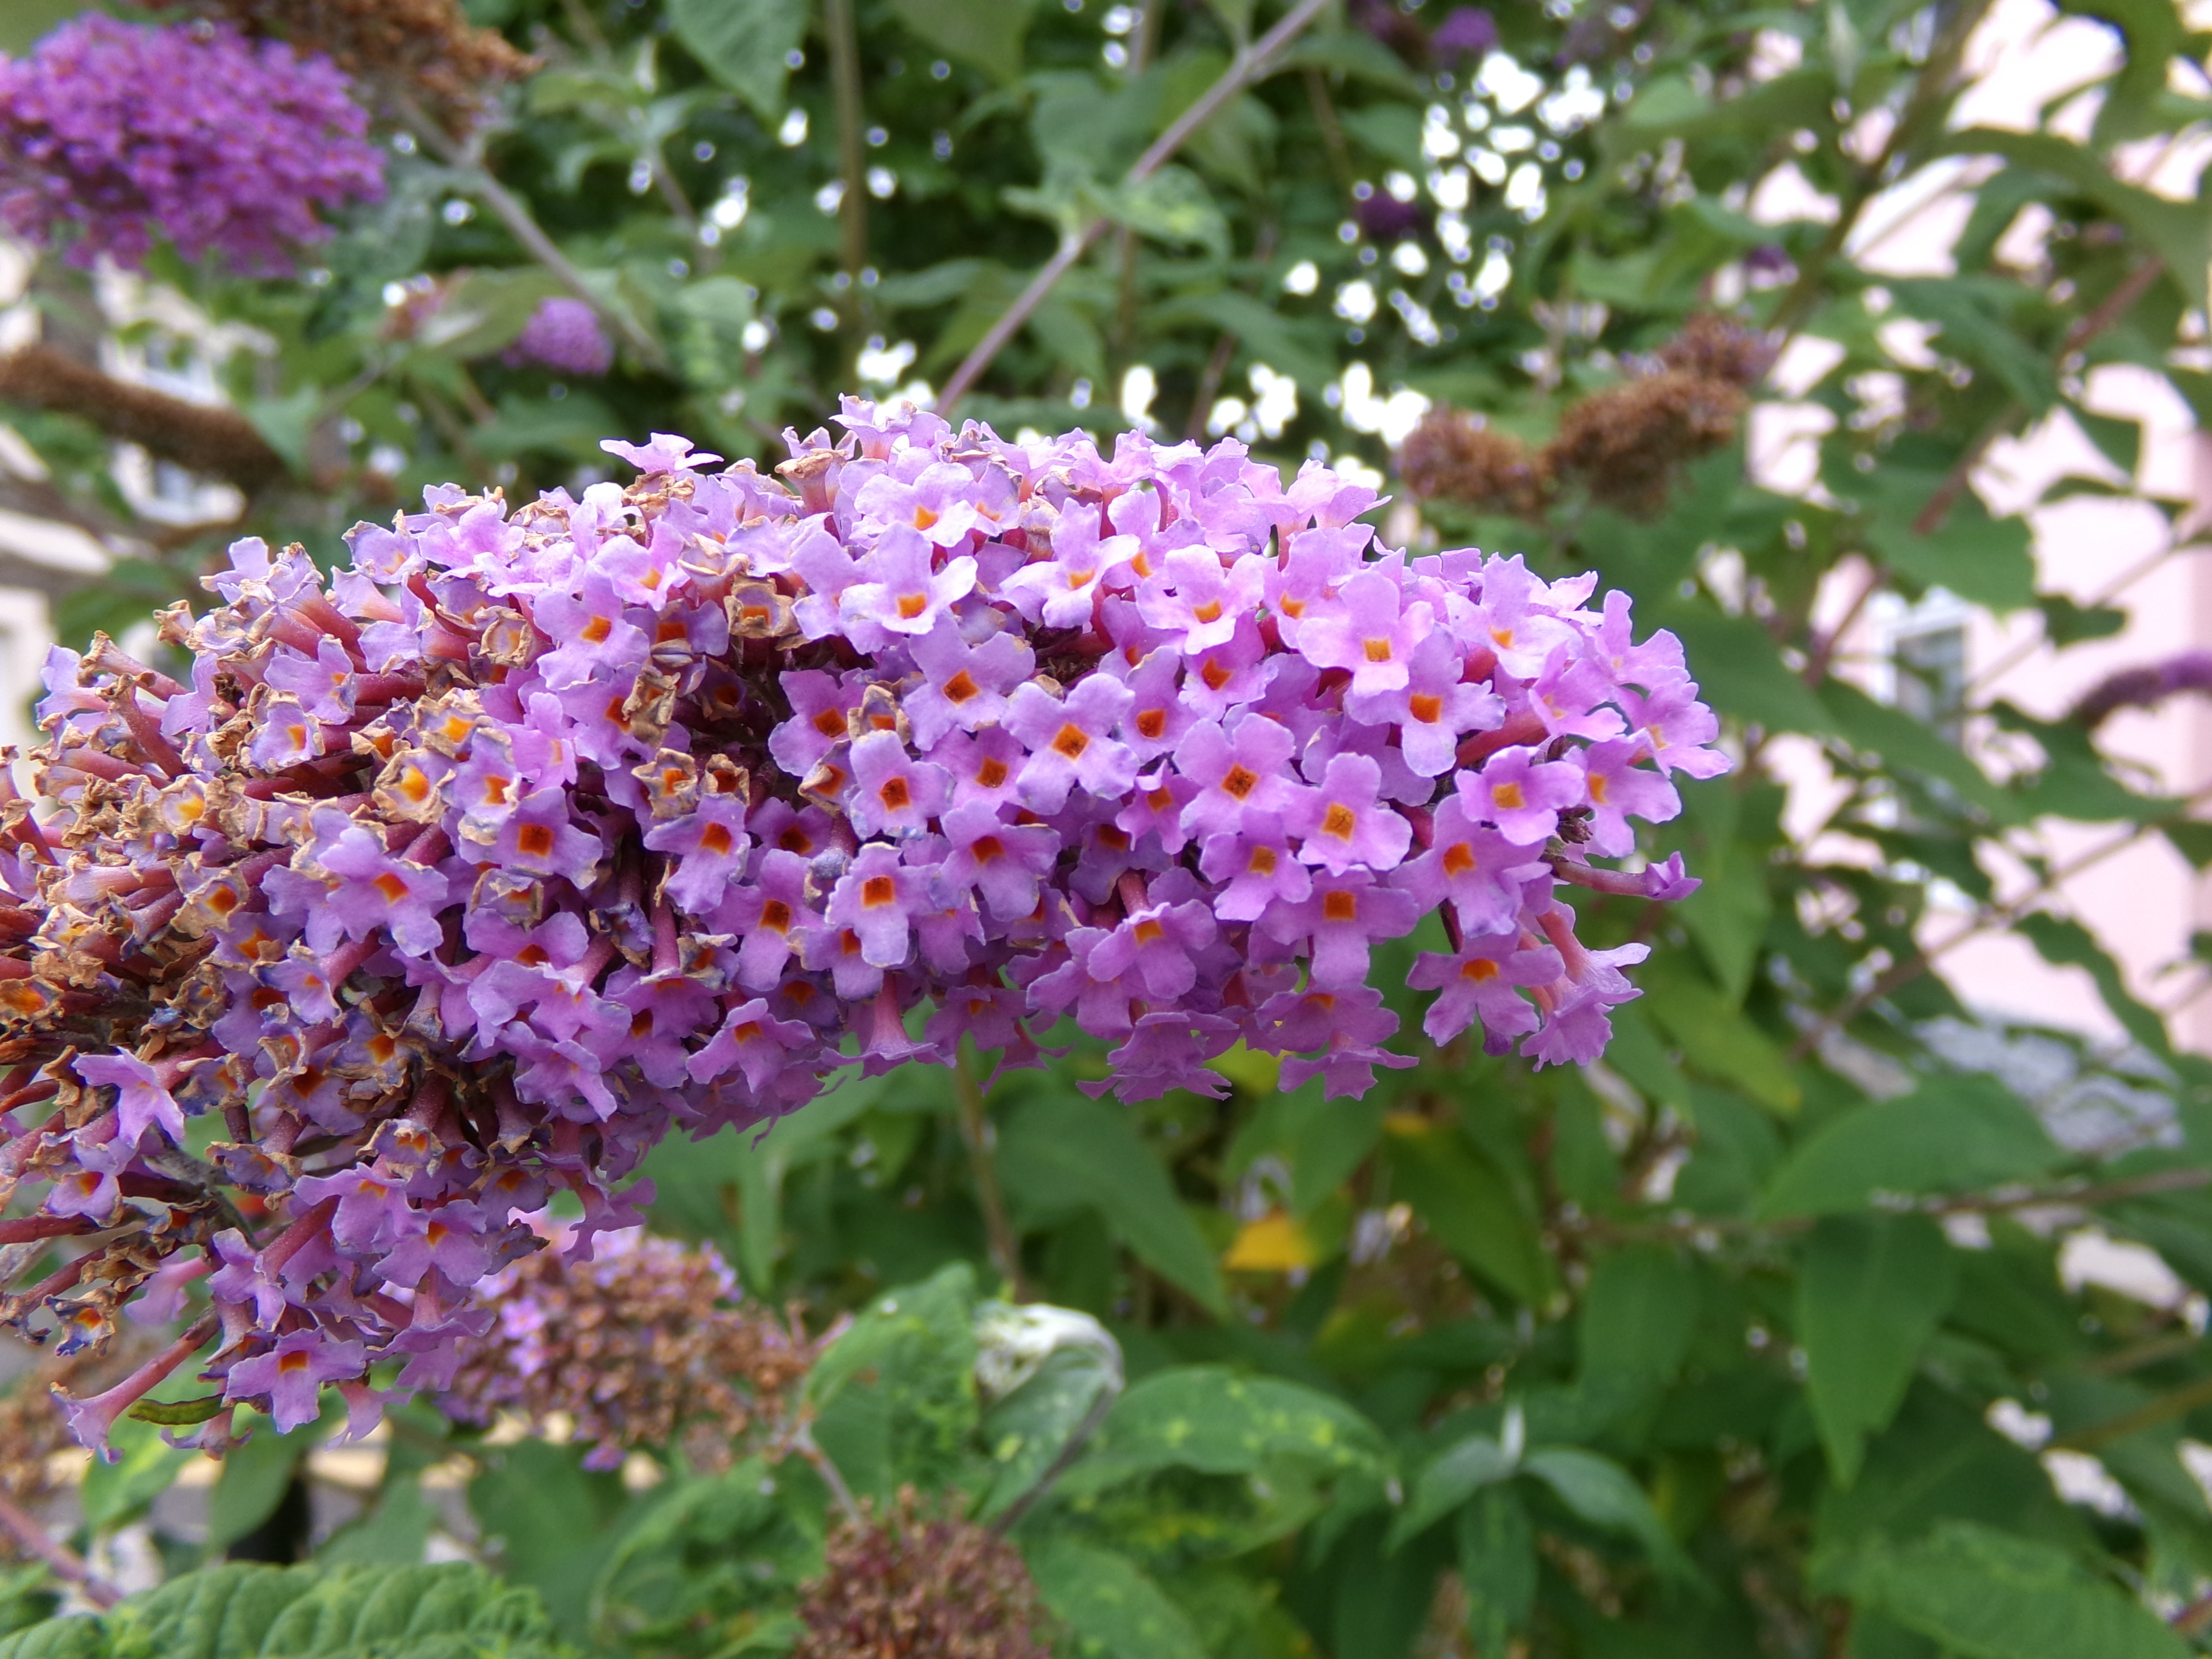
x=1273, y=1244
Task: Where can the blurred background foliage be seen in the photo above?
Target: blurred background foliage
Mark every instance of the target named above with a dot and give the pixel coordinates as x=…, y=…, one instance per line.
x=1752, y=1340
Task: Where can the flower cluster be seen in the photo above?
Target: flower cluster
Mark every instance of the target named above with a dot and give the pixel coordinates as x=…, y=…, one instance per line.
x=1623, y=446
x=902, y=1579
x=110, y=133
x=2144, y=687
x=630, y=1349
x=533, y=834
x=565, y=336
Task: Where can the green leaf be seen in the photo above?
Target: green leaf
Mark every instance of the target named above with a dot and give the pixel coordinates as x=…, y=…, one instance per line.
x=2178, y=232
x=548, y=1518
x=744, y=44
x=1029, y=1429
x=724, y=1553
x=2069, y=945
x=254, y=1475
x=1977, y=557
x=239, y=1611
x=1468, y=1207
x=895, y=1396
x=1740, y=671
x=1889, y=735
x=287, y=424
x=1109, y=1603
x=1392, y=131
x=23, y=21
x=1209, y=1418
x=1058, y=1151
x=1172, y=206
x=1873, y=1289
x=1715, y=1036
x=1498, y=1566
x=987, y=34
x=1982, y=1594
x=1603, y=1493
x=1639, y=1309
x=1449, y=1479
x=1952, y=1135
x=145, y=1466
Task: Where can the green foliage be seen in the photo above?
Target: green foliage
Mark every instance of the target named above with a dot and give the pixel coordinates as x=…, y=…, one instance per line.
x=241, y=1611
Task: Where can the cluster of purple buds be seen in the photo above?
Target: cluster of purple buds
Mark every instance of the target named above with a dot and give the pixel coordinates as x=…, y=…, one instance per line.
x=110, y=133
x=563, y=335
x=534, y=834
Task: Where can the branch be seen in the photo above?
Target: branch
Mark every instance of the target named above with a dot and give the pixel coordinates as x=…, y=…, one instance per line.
x=1930, y=93
x=2003, y=916
x=515, y=214
x=24, y=1528
x=2114, y=306
x=852, y=157
x=1247, y=67
x=220, y=443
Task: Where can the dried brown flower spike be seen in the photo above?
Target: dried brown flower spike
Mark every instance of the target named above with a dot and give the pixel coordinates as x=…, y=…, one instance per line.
x=1452, y=456
x=633, y=1348
x=1625, y=444
x=901, y=1584
x=427, y=49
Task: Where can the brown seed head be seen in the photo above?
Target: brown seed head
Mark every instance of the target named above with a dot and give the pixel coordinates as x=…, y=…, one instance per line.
x=1625, y=444
x=1452, y=456
x=903, y=1583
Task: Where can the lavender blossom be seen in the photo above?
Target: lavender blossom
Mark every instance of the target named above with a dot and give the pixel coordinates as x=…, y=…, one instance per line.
x=536, y=835
x=110, y=133
x=564, y=336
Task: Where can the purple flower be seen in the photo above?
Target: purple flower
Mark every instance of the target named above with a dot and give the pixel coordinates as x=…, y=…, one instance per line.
x=1617, y=789
x=1064, y=588
x=1341, y=917
x=1198, y=603
x=1345, y=821
x=1003, y=861
x=1153, y=948
x=1433, y=708
x=1676, y=726
x=564, y=334
x=706, y=850
x=876, y=900
x=1521, y=794
x=1368, y=631
x=892, y=792
x=1483, y=875
x=1482, y=982
x=667, y=802
x=111, y=133
x=1466, y=31
x=1247, y=768
x=1071, y=742
x=963, y=685
x=141, y=1098
x=291, y=1375
x=907, y=594
x=751, y=1041
x=1258, y=868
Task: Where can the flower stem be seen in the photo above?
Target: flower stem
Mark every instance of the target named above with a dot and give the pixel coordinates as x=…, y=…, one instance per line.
x=975, y=1130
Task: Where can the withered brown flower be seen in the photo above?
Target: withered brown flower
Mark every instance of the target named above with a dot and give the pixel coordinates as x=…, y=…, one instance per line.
x=634, y=1348
x=1453, y=456
x=1625, y=444
x=427, y=49
x=904, y=1582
